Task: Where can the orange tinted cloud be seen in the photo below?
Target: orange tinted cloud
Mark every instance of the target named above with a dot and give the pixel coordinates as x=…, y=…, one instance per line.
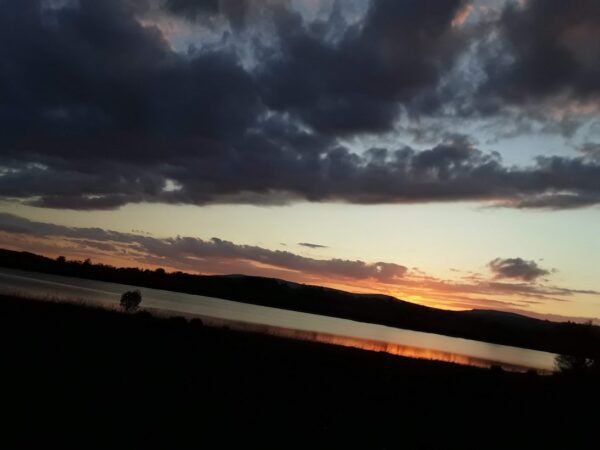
x=216, y=256
x=462, y=15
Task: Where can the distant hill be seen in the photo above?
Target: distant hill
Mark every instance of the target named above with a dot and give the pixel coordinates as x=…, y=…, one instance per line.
x=484, y=325
x=506, y=316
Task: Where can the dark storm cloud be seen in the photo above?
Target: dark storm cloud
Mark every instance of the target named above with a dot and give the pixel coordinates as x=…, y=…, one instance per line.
x=233, y=10
x=548, y=48
x=273, y=172
x=195, y=252
x=97, y=110
x=192, y=8
x=92, y=77
x=313, y=246
x=517, y=268
x=95, y=106
x=360, y=82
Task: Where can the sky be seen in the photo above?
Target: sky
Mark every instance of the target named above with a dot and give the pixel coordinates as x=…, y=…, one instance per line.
x=445, y=152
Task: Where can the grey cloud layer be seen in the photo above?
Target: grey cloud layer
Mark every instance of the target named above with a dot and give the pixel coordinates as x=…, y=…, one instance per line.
x=450, y=171
x=189, y=251
x=97, y=110
x=517, y=268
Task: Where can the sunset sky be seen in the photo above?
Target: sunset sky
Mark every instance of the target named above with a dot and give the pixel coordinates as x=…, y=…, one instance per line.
x=445, y=152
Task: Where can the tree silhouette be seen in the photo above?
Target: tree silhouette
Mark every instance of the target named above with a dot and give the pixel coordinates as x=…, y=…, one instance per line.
x=130, y=300
x=572, y=364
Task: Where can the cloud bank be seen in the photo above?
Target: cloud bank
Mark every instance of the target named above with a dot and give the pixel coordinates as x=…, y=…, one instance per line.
x=197, y=254
x=103, y=104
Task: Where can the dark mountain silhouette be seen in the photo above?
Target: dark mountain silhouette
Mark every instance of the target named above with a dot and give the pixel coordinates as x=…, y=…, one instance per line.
x=484, y=325
x=503, y=315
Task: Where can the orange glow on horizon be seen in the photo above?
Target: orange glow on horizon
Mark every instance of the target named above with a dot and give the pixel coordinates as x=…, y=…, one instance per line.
x=416, y=287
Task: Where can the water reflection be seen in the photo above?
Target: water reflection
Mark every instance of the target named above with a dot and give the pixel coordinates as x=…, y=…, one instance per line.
x=372, y=345
x=285, y=323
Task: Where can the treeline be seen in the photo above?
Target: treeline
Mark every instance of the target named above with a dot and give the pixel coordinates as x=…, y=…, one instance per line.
x=509, y=329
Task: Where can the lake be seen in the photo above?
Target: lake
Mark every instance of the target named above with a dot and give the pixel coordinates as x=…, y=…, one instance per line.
x=281, y=322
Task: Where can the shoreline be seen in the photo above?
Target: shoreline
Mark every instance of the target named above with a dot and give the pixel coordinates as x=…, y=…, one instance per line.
x=371, y=345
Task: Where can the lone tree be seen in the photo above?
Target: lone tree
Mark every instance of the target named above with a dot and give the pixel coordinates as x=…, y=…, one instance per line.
x=130, y=300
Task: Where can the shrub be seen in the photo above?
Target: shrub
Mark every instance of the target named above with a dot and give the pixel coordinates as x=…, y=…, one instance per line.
x=130, y=300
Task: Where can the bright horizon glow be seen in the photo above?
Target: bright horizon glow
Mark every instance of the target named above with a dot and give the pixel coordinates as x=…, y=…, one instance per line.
x=448, y=244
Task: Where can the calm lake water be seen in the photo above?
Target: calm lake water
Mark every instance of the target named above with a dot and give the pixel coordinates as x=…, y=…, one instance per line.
x=283, y=323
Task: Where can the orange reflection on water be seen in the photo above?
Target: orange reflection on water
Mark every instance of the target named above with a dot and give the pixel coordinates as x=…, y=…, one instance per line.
x=366, y=344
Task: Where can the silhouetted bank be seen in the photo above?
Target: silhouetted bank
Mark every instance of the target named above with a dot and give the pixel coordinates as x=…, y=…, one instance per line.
x=95, y=378
x=490, y=326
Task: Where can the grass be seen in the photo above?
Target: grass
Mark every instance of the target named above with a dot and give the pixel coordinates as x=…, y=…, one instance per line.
x=82, y=376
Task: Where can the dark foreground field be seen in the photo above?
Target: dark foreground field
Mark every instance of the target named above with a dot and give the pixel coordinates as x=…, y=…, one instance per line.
x=91, y=378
